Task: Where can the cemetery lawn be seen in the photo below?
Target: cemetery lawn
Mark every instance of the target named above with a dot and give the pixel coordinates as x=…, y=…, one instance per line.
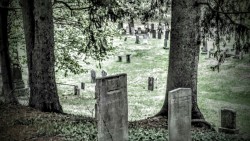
x=228, y=88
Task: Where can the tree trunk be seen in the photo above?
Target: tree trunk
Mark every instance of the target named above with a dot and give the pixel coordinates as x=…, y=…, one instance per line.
x=5, y=56
x=184, y=52
x=39, y=36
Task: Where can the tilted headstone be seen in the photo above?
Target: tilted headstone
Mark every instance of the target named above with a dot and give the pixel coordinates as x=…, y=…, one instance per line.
x=128, y=58
x=154, y=34
x=93, y=76
x=228, y=121
x=112, y=108
x=104, y=73
x=150, y=83
x=179, y=114
x=137, y=39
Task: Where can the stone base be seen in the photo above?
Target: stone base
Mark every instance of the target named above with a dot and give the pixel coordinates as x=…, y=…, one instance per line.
x=228, y=131
x=22, y=92
x=165, y=48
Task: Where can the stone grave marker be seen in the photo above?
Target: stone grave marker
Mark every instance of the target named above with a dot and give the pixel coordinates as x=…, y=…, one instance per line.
x=179, y=114
x=137, y=39
x=119, y=58
x=150, y=83
x=128, y=58
x=228, y=121
x=159, y=35
x=167, y=34
x=93, y=76
x=76, y=90
x=112, y=108
x=154, y=34
x=139, y=30
x=152, y=27
x=104, y=73
x=165, y=44
x=82, y=85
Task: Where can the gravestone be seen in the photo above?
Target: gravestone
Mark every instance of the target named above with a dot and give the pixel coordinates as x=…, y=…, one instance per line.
x=112, y=108
x=150, y=83
x=159, y=35
x=204, y=49
x=179, y=114
x=152, y=27
x=93, y=76
x=145, y=39
x=104, y=73
x=119, y=58
x=139, y=30
x=228, y=121
x=154, y=34
x=166, y=44
x=76, y=90
x=137, y=39
x=83, y=85
x=167, y=34
x=128, y=58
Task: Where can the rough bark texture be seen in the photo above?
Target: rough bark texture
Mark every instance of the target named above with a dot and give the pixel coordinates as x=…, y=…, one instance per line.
x=39, y=36
x=184, y=52
x=5, y=57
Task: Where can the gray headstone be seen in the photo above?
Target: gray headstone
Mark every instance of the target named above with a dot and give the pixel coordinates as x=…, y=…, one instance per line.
x=119, y=58
x=104, y=73
x=137, y=39
x=152, y=26
x=166, y=34
x=150, y=83
x=76, y=90
x=179, y=114
x=112, y=108
x=83, y=85
x=159, y=35
x=166, y=44
x=93, y=76
x=128, y=58
x=154, y=34
x=228, y=121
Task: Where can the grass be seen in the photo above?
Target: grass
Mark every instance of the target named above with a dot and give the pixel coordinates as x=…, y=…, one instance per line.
x=228, y=88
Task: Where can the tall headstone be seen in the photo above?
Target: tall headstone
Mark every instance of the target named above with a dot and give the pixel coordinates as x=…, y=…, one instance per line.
x=83, y=85
x=93, y=76
x=154, y=34
x=167, y=34
x=128, y=58
x=166, y=44
x=159, y=35
x=119, y=58
x=228, y=121
x=112, y=108
x=179, y=114
x=152, y=27
x=137, y=39
x=150, y=83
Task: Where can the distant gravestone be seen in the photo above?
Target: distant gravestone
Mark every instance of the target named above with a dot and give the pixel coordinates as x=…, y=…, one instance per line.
x=167, y=34
x=159, y=35
x=228, y=121
x=112, y=108
x=139, y=30
x=152, y=27
x=179, y=114
x=104, y=73
x=150, y=83
x=128, y=58
x=154, y=34
x=76, y=90
x=119, y=58
x=93, y=76
x=137, y=39
x=166, y=44
x=83, y=85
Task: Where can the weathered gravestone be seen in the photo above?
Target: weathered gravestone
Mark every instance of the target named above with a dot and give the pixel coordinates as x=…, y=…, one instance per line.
x=167, y=34
x=150, y=83
x=119, y=58
x=179, y=114
x=159, y=34
x=128, y=58
x=76, y=90
x=93, y=76
x=83, y=85
x=154, y=34
x=152, y=27
x=104, y=73
x=112, y=108
x=137, y=39
x=228, y=121
x=166, y=44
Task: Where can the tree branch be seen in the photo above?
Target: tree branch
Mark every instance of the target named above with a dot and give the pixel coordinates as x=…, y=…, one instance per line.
x=68, y=6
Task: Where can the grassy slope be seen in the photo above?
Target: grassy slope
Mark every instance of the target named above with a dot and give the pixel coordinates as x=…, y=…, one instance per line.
x=228, y=88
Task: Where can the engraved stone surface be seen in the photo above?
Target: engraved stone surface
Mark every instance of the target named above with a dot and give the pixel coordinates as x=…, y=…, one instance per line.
x=112, y=108
x=179, y=114
x=228, y=121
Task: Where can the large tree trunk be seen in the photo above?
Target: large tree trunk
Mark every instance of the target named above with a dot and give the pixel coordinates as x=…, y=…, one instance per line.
x=184, y=52
x=5, y=57
x=39, y=36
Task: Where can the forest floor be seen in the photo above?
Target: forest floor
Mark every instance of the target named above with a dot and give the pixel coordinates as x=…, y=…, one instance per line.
x=22, y=123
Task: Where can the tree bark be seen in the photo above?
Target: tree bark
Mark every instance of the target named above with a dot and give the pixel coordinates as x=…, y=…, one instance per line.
x=39, y=36
x=184, y=52
x=5, y=56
